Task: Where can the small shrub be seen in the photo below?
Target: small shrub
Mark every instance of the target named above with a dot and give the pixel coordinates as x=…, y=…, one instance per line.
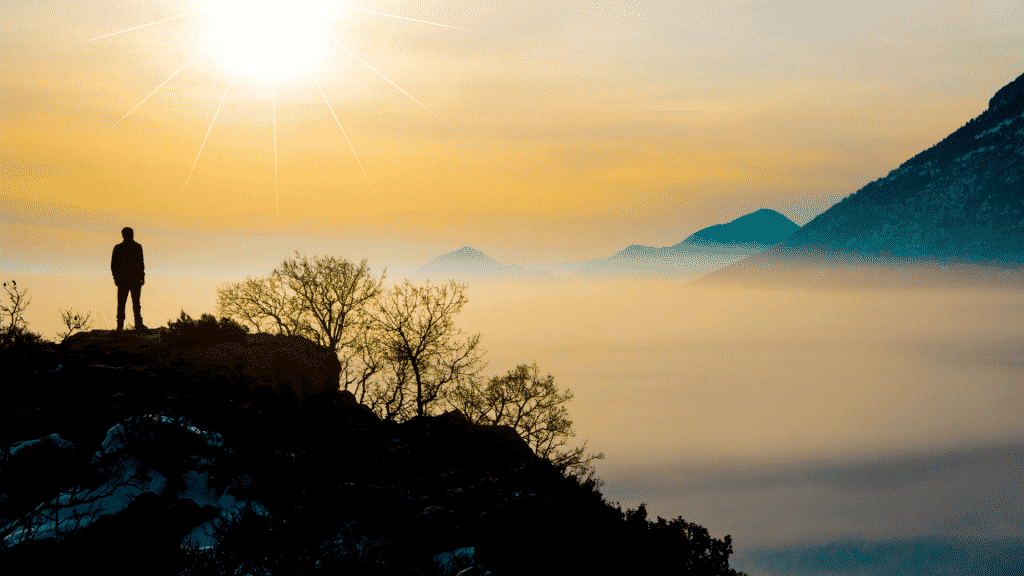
x=206, y=329
x=73, y=320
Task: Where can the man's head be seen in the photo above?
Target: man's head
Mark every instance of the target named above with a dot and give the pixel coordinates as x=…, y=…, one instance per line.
x=127, y=233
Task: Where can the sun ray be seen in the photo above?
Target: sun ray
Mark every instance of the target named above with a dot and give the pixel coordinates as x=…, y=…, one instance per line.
x=178, y=17
x=331, y=108
x=414, y=20
x=154, y=91
x=277, y=195
x=399, y=88
x=208, y=130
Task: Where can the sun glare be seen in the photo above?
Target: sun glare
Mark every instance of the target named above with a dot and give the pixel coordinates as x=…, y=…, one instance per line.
x=270, y=38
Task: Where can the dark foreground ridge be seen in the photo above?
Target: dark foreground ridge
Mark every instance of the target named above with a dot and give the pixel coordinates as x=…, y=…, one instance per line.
x=171, y=453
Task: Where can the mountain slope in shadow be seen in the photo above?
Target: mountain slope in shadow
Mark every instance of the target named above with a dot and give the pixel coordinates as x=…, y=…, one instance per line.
x=953, y=212
x=757, y=230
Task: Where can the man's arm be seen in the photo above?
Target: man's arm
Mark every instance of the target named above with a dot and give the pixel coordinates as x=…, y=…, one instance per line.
x=142, y=267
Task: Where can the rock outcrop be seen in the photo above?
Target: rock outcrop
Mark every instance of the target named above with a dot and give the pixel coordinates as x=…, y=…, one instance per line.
x=290, y=368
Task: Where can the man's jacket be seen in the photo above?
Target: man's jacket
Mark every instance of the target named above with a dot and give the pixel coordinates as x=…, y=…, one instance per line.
x=126, y=264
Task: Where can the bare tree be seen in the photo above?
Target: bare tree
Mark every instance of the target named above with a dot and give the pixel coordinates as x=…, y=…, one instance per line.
x=326, y=299
x=401, y=352
x=420, y=343
x=16, y=322
x=534, y=407
x=73, y=321
x=336, y=298
x=389, y=394
x=265, y=304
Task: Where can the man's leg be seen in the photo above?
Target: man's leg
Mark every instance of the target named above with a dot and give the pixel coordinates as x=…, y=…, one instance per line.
x=137, y=307
x=122, y=297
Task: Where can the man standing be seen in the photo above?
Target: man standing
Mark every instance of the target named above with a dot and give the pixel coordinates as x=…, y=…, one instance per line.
x=129, y=275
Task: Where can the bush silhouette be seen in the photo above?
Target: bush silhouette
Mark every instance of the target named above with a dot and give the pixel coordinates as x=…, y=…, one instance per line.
x=207, y=329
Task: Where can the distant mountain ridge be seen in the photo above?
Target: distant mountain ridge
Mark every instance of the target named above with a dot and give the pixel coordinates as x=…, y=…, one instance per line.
x=465, y=254
x=467, y=262
x=758, y=230
x=702, y=252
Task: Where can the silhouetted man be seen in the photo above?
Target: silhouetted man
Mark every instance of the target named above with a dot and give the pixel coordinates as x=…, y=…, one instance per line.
x=129, y=274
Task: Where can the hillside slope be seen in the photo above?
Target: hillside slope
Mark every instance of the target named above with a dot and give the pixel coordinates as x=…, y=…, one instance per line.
x=953, y=209
x=962, y=197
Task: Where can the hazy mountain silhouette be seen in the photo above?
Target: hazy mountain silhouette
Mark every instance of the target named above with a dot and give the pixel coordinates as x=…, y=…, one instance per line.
x=471, y=263
x=958, y=205
x=757, y=230
x=704, y=251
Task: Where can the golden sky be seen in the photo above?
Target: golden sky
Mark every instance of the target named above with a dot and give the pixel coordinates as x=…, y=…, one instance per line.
x=588, y=126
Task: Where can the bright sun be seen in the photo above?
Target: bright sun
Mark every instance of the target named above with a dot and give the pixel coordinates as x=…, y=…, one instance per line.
x=270, y=38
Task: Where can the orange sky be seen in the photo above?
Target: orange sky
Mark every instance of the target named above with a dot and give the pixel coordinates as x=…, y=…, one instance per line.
x=591, y=125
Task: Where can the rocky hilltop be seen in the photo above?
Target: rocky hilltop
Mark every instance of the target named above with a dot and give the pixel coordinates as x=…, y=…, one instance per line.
x=188, y=454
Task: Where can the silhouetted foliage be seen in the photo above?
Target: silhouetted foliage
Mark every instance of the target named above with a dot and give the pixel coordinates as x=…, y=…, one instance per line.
x=416, y=328
x=73, y=320
x=15, y=326
x=323, y=298
x=533, y=406
x=400, y=349
x=24, y=355
x=686, y=547
x=206, y=329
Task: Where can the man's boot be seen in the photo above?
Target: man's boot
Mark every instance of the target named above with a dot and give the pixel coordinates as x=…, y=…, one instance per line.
x=139, y=325
x=120, y=324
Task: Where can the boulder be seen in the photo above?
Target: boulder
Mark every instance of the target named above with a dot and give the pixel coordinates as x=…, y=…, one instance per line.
x=284, y=366
x=350, y=410
x=36, y=470
x=148, y=532
x=522, y=522
x=113, y=348
x=293, y=363
x=431, y=447
x=454, y=561
x=502, y=439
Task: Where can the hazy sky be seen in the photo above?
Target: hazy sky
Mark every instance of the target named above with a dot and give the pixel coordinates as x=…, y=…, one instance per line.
x=551, y=132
